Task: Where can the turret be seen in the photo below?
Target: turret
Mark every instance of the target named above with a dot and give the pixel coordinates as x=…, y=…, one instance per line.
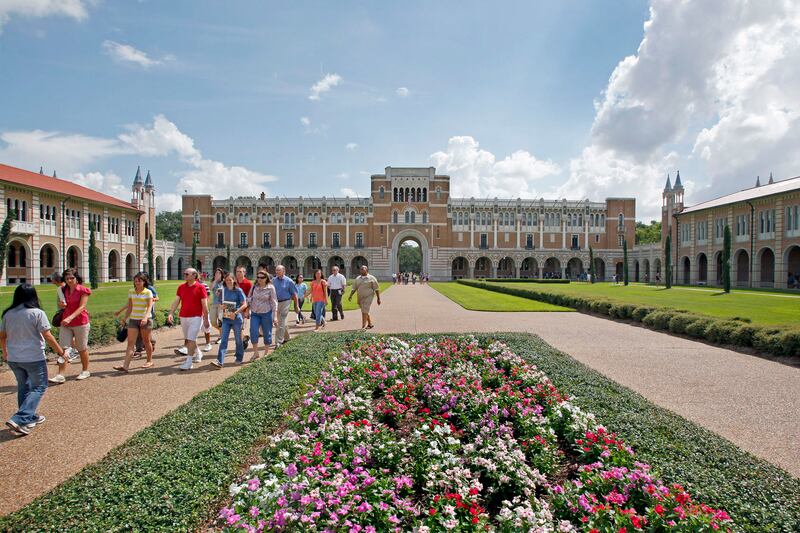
x=148, y=182
x=771, y=181
x=758, y=181
x=138, y=185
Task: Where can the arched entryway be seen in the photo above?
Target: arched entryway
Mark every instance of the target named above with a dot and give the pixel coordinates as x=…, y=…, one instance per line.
x=421, y=242
x=742, y=268
x=636, y=271
x=219, y=262
x=552, y=268
x=336, y=261
x=483, y=268
x=702, y=269
x=268, y=262
x=48, y=262
x=767, y=263
x=311, y=265
x=505, y=268
x=792, y=262
x=130, y=267
x=244, y=261
x=646, y=271
x=529, y=268
x=170, y=273
x=74, y=258
x=113, y=265
x=459, y=268
x=599, y=269
x=575, y=268
x=718, y=264
x=159, y=267
x=18, y=263
x=356, y=264
x=619, y=270
x=180, y=268
x=289, y=262
x=686, y=270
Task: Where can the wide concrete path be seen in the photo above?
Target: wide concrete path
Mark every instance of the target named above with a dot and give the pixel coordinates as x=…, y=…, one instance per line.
x=753, y=402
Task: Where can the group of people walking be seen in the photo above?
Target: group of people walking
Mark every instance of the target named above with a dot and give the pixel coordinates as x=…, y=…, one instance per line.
x=403, y=278
x=232, y=304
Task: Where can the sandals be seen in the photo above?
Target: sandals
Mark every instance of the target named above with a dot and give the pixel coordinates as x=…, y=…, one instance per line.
x=370, y=326
x=148, y=364
x=121, y=369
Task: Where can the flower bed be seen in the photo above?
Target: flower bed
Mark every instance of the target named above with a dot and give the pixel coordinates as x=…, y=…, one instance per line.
x=451, y=435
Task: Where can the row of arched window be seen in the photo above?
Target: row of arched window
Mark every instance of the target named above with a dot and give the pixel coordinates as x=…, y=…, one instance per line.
x=410, y=194
x=506, y=218
x=20, y=209
x=409, y=217
x=47, y=212
x=288, y=218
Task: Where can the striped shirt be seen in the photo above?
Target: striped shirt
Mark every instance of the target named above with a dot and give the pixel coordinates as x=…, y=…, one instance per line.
x=139, y=301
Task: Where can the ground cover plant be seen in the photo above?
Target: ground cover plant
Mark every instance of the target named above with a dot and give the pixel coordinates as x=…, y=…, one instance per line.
x=452, y=434
x=782, y=341
x=480, y=300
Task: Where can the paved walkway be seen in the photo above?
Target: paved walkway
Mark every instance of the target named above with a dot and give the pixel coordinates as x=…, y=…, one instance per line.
x=753, y=402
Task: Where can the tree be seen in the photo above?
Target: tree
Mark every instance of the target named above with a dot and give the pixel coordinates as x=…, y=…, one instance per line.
x=625, y=260
x=168, y=225
x=92, y=257
x=193, y=264
x=151, y=266
x=648, y=233
x=5, y=232
x=228, y=258
x=410, y=256
x=591, y=265
x=726, y=259
x=668, y=262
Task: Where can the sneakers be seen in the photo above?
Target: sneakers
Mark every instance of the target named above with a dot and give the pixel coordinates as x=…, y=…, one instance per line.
x=40, y=420
x=198, y=357
x=187, y=365
x=245, y=342
x=207, y=347
x=181, y=351
x=137, y=355
x=83, y=375
x=216, y=363
x=72, y=354
x=17, y=429
x=57, y=379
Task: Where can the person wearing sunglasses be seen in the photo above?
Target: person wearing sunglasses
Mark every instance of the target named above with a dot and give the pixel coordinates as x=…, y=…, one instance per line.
x=263, y=305
x=192, y=297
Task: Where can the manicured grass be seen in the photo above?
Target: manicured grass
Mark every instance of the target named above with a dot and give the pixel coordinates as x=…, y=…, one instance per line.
x=171, y=476
x=476, y=299
x=760, y=307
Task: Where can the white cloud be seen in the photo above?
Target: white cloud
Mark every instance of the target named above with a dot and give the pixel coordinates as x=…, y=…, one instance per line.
x=475, y=172
x=351, y=146
x=168, y=202
x=324, y=85
x=108, y=183
x=347, y=191
x=125, y=53
x=402, y=92
x=75, y=9
x=159, y=139
x=305, y=121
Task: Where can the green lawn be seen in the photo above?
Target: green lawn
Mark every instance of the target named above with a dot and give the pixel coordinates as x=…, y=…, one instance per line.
x=760, y=307
x=109, y=297
x=483, y=300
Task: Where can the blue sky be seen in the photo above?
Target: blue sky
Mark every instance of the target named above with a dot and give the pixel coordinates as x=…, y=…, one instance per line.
x=517, y=99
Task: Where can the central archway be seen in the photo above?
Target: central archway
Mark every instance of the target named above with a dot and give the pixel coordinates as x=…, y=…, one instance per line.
x=422, y=242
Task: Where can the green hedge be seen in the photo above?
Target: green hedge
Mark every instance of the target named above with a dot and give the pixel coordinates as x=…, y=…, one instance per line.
x=781, y=342
x=526, y=280
x=172, y=475
x=758, y=495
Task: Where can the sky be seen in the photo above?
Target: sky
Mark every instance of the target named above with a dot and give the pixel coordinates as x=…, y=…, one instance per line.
x=569, y=99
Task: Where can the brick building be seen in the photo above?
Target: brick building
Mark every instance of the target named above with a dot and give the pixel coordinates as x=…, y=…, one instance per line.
x=458, y=237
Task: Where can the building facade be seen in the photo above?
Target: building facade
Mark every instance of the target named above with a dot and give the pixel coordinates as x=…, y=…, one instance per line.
x=50, y=228
x=765, y=235
x=458, y=237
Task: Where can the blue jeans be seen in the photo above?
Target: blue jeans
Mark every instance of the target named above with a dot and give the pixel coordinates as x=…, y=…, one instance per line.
x=300, y=302
x=227, y=326
x=31, y=384
x=319, y=311
x=264, y=322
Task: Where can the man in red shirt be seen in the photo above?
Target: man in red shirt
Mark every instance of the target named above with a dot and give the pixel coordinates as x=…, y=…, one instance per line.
x=193, y=299
x=244, y=284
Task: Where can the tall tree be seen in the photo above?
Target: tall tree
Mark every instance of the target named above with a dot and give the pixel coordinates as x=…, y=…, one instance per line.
x=591, y=265
x=625, y=260
x=194, y=254
x=726, y=259
x=668, y=261
x=5, y=233
x=168, y=225
x=92, y=257
x=647, y=233
x=151, y=266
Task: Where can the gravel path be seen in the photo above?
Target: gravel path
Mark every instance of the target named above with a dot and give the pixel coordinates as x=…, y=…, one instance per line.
x=753, y=402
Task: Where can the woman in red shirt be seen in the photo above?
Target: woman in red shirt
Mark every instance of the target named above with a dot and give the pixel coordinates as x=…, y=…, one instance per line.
x=74, y=330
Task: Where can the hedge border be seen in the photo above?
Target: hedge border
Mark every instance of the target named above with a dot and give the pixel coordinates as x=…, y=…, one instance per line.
x=171, y=475
x=769, y=340
x=543, y=281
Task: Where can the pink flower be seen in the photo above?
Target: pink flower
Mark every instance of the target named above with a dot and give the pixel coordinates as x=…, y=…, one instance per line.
x=403, y=481
x=254, y=511
x=365, y=507
x=253, y=484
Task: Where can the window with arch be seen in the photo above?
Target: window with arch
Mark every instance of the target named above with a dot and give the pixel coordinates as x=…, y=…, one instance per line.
x=424, y=217
x=394, y=217
x=424, y=194
x=381, y=192
x=410, y=217
x=621, y=220
x=196, y=216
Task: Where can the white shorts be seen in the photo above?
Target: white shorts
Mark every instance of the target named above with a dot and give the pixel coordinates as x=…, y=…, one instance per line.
x=191, y=326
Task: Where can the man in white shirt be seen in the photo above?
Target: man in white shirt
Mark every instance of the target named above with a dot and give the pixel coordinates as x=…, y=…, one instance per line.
x=336, y=285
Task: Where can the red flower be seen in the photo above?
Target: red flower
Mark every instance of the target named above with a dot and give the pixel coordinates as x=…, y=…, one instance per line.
x=659, y=509
x=473, y=491
x=432, y=511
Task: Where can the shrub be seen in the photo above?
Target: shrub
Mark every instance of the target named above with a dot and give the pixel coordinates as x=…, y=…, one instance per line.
x=721, y=331
x=698, y=327
x=680, y=321
x=659, y=319
x=641, y=311
x=743, y=335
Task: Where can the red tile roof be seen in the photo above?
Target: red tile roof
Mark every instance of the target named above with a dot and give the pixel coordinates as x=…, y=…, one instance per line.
x=35, y=180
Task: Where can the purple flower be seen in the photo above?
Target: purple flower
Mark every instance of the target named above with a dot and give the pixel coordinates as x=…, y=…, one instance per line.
x=365, y=507
x=291, y=470
x=254, y=511
x=403, y=481
x=253, y=484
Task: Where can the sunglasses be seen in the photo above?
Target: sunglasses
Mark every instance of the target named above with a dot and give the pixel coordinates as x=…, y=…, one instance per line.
x=261, y=277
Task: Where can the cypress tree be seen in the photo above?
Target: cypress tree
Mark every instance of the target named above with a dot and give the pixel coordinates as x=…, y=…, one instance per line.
x=194, y=253
x=151, y=266
x=625, y=260
x=92, y=258
x=668, y=262
x=591, y=265
x=5, y=232
x=726, y=260
x=228, y=258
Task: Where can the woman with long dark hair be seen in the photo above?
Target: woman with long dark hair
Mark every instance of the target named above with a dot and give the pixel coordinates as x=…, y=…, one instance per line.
x=75, y=324
x=23, y=332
